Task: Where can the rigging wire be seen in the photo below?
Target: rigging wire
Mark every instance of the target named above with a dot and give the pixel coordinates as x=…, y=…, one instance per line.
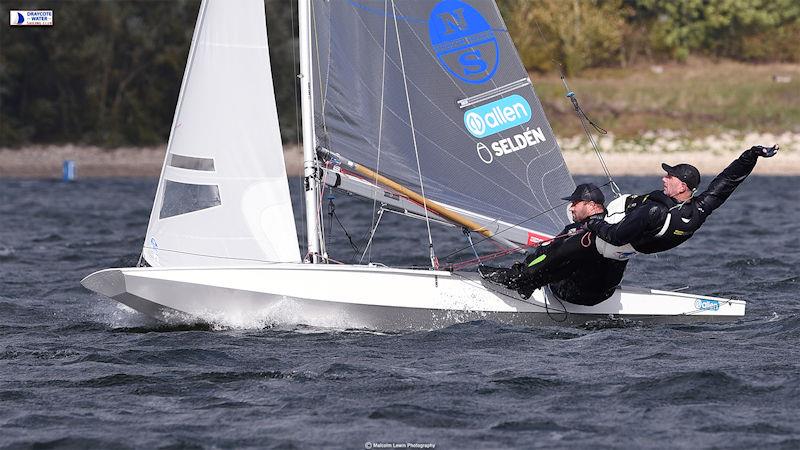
x=372, y=231
x=434, y=261
x=469, y=238
x=297, y=124
x=374, y=225
x=322, y=96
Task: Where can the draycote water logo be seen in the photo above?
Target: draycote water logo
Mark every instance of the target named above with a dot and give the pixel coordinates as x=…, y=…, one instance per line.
x=463, y=41
x=497, y=116
x=30, y=18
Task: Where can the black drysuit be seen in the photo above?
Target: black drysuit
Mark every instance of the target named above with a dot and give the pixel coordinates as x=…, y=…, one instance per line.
x=654, y=222
x=578, y=273
x=570, y=264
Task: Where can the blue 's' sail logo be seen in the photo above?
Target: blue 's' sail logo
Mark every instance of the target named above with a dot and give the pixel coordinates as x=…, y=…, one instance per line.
x=463, y=41
x=497, y=116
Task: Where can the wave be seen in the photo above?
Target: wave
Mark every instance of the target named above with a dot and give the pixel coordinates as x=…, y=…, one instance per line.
x=420, y=417
x=699, y=386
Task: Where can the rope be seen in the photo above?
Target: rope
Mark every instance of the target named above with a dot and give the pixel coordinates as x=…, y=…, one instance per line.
x=480, y=259
x=333, y=215
x=584, y=119
x=563, y=308
x=434, y=261
x=546, y=308
x=508, y=251
x=586, y=240
x=228, y=258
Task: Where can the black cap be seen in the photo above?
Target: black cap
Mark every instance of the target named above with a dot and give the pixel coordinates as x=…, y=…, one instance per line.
x=588, y=192
x=684, y=172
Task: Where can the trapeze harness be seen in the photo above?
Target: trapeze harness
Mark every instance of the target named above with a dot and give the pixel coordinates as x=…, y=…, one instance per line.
x=675, y=230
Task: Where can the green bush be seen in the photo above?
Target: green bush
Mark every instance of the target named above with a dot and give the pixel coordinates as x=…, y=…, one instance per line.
x=575, y=34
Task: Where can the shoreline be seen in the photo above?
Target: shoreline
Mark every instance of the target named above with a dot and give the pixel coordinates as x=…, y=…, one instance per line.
x=95, y=162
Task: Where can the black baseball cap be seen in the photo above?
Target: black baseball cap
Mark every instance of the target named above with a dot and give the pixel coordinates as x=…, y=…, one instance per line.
x=587, y=192
x=684, y=172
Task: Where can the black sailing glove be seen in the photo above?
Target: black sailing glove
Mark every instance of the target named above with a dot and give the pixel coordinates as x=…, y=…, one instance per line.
x=766, y=152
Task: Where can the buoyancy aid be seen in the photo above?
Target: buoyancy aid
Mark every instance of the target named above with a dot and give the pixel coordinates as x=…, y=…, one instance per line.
x=615, y=212
x=682, y=220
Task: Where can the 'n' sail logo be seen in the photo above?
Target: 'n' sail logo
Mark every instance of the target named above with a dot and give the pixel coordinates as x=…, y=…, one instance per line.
x=463, y=41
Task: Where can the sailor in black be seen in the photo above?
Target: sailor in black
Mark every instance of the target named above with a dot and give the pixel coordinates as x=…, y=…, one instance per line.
x=662, y=220
x=570, y=263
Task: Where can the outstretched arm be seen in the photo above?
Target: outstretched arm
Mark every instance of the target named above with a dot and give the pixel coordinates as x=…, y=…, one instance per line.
x=726, y=182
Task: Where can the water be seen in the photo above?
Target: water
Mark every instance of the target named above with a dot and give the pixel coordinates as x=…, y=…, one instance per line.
x=77, y=370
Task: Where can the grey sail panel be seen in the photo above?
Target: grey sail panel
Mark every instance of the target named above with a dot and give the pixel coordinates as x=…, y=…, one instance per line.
x=483, y=140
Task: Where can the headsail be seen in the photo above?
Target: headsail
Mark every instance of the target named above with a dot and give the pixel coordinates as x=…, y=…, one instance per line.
x=223, y=196
x=484, y=143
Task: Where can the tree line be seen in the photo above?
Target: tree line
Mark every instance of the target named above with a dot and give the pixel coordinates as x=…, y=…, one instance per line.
x=108, y=72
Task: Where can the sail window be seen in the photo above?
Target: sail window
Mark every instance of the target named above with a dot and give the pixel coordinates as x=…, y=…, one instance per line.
x=191, y=162
x=182, y=198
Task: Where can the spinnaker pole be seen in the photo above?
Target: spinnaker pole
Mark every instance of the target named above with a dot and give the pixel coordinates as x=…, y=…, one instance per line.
x=310, y=180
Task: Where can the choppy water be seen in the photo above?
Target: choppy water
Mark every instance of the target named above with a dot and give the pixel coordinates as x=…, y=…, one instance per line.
x=77, y=370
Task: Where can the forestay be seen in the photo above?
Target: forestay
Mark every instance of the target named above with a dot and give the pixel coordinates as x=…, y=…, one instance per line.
x=484, y=143
x=223, y=196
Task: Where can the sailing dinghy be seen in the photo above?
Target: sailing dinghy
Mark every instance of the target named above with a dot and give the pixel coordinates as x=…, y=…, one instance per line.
x=423, y=107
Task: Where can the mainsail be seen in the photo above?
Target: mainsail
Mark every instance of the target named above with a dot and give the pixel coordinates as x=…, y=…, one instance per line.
x=439, y=83
x=223, y=196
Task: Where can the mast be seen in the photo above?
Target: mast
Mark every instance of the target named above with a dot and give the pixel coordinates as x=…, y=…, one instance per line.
x=310, y=181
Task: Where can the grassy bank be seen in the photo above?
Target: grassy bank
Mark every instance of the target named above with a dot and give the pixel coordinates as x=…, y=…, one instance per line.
x=699, y=98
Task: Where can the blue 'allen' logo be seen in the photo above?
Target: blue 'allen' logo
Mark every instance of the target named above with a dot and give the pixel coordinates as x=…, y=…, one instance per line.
x=497, y=116
x=703, y=304
x=464, y=41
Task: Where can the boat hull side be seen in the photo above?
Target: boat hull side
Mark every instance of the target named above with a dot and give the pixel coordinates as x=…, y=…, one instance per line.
x=373, y=298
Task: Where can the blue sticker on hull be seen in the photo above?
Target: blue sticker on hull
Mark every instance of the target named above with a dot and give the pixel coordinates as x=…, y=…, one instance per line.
x=706, y=305
x=463, y=41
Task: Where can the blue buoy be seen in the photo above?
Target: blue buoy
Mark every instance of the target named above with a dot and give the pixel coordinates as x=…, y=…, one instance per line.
x=69, y=170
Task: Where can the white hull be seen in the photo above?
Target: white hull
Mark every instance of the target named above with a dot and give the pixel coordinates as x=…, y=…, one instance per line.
x=380, y=298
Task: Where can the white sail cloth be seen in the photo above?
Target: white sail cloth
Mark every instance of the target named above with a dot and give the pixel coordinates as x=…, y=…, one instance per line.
x=223, y=196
